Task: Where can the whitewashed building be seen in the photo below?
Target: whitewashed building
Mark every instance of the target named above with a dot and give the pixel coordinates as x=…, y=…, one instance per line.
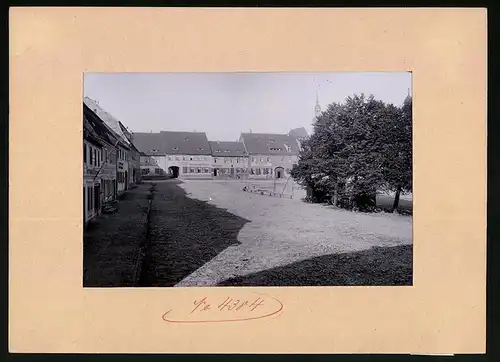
x=185, y=155
x=270, y=156
x=230, y=159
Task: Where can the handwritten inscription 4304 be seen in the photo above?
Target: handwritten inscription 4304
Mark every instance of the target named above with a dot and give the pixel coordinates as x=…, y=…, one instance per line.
x=227, y=309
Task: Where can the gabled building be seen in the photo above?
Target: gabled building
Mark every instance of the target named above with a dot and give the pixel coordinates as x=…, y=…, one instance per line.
x=105, y=171
x=180, y=154
x=92, y=156
x=122, y=148
x=270, y=155
x=230, y=159
x=134, y=161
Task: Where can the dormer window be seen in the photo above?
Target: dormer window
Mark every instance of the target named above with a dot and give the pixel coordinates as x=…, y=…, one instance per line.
x=272, y=140
x=200, y=149
x=187, y=138
x=176, y=148
x=217, y=150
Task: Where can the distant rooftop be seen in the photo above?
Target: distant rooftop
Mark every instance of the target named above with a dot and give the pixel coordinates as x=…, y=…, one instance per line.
x=171, y=142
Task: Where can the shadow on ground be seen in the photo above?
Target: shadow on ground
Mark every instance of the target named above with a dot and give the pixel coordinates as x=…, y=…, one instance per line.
x=185, y=234
x=111, y=242
x=379, y=266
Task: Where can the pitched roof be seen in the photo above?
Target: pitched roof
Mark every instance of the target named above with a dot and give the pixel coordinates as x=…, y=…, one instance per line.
x=89, y=132
x=298, y=133
x=270, y=144
x=101, y=131
x=110, y=121
x=227, y=149
x=169, y=142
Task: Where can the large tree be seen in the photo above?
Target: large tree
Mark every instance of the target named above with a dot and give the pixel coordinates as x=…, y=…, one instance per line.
x=353, y=151
x=398, y=150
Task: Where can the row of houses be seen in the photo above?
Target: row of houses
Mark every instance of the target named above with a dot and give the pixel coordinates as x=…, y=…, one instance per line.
x=190, y=155
x=111, y=162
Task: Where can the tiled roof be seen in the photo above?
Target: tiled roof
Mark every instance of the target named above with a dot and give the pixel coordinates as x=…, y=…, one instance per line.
x=227, y=149
x=168, y=142
x=298, y=132
x=270, y=144
x=110, y=121
x=98, y=126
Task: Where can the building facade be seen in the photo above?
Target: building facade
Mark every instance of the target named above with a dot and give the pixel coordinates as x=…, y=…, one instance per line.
x=123, y=145
x=134, y=159
x=92, y=156
x=230, y=160
x=185, y=155
x=270, y=156
x=106, y=170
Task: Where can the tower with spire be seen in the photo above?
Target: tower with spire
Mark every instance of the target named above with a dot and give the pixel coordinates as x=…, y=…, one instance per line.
x=317, y=108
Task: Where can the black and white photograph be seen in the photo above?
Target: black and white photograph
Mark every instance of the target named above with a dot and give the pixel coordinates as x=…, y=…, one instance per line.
x=247, y=179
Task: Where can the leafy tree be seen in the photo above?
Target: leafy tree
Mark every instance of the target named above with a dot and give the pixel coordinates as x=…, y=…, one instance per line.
x=398, y=150
x=357, y=148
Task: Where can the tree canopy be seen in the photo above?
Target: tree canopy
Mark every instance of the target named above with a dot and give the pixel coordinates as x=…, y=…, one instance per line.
x=357, y=148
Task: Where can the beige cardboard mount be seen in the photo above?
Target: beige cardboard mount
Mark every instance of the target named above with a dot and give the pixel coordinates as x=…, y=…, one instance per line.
x=51, y=48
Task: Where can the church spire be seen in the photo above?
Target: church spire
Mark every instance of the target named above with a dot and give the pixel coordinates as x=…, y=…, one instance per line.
x=317, y=108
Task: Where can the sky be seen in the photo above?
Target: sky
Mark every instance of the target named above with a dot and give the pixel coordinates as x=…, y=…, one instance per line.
x=225, y=104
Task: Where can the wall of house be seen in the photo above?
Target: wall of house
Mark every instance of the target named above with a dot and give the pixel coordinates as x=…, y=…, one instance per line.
x=229, y=167
x=264, y=166
x=190, y=166
x=92, y=160
x=122, y=170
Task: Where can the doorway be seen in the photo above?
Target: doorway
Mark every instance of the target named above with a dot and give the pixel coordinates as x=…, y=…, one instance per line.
x=174, y=171
x=279, y=172
x=215, y=172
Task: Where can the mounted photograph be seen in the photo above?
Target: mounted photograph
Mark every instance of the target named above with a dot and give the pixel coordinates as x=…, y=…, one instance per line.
x=247, y=179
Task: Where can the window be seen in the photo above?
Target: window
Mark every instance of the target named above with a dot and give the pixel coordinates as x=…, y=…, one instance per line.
x=191, y=170
x=191, y=158
x=158, y=171
x=252, y=171
x=290, y=158
x=177, y=158
x=84, y=153
x=185, y=158
x=269, y=159
x=94, y=160
x=258, y=171
x=144, y=171
x=271, y=140
x=200, y=149
x=266, y=171
x=288, y=170
x=199, y=170
x=215, y=159
x=184, y=169
x=261, y=160
x=206, y=170
x=176, y=148
x=237, y=160
x=170, y=158
x=253, y=159
x=282, y=158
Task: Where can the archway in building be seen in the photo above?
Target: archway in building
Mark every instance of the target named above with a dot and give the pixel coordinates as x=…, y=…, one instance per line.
x=279, y=172
x=174, y=171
